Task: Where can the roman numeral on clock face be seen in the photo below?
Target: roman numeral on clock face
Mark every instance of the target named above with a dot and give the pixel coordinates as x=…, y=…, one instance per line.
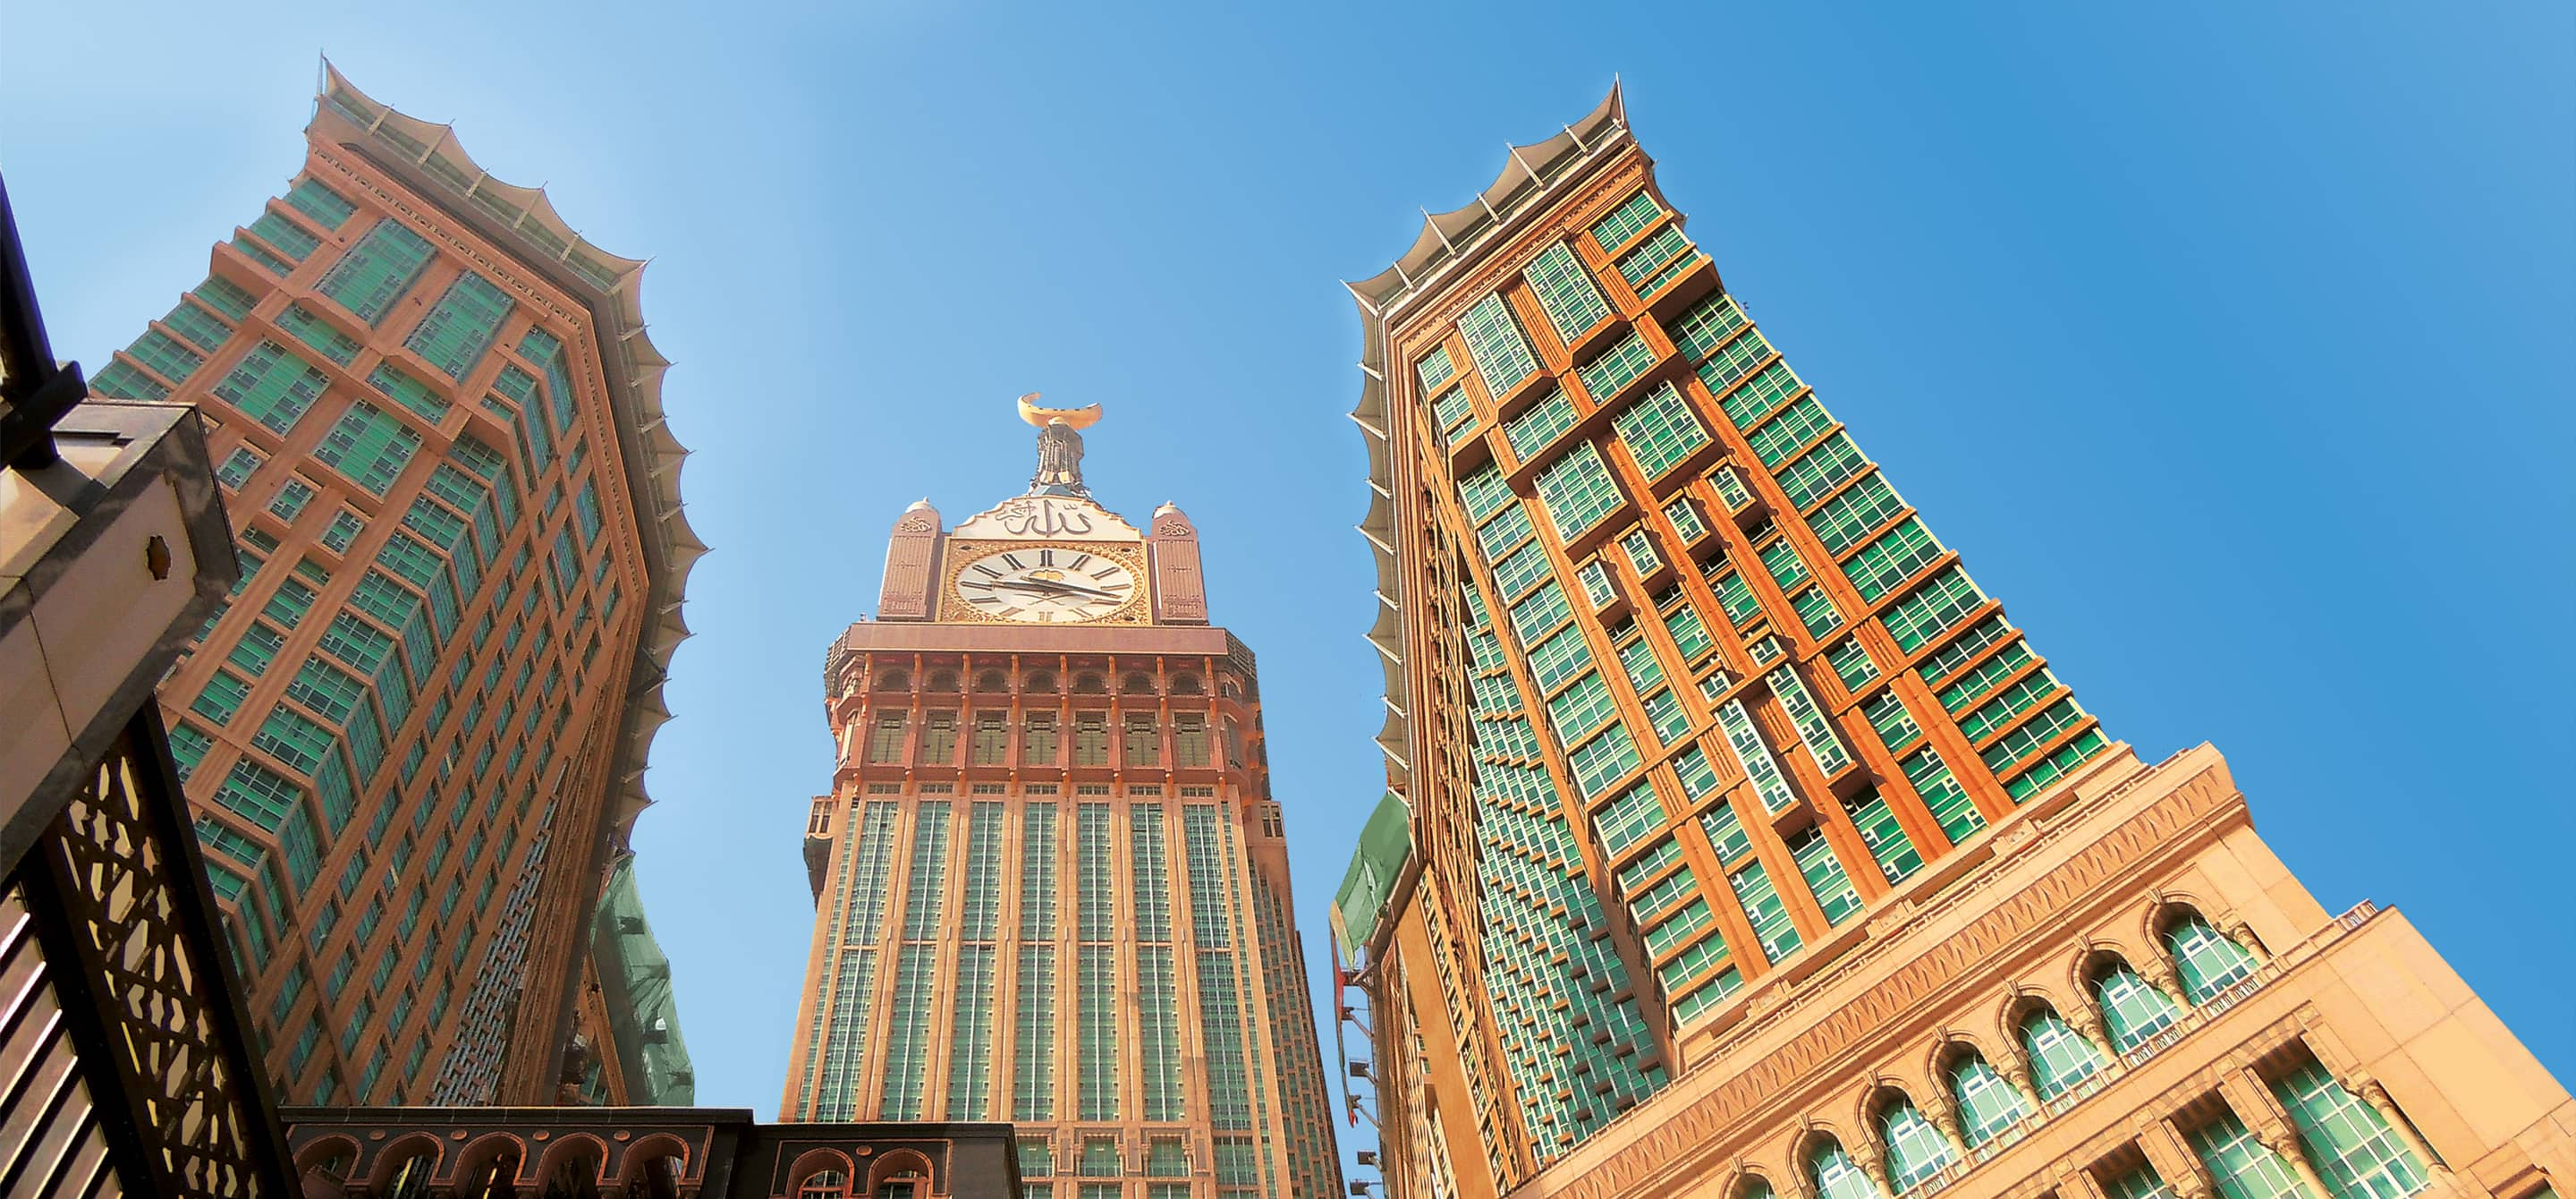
x=1014, y=563
x=1046, y=557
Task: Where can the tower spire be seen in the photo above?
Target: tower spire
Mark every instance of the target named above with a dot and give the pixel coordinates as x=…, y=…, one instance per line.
x=1059, y=446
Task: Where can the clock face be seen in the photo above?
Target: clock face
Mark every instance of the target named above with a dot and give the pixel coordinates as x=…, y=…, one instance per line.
x=1046, y=584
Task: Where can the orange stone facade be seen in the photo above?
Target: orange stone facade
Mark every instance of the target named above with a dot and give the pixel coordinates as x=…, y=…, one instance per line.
x=414, y=737
x=1856, y=902
x=1051, y=882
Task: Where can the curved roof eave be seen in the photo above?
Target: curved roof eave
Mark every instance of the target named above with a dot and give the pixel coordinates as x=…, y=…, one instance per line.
x=672, y=548
x=1447, y=240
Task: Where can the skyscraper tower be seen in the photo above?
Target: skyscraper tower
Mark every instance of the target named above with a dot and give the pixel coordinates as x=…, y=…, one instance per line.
x=414, y=738
x=1050, y=880
x=1739, y=844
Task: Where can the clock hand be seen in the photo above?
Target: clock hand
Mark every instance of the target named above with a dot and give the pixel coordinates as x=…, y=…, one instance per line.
x=1071, y=589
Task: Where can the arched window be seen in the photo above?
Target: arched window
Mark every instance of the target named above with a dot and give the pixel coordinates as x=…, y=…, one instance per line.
x=1187, y=684
x=1041, y=682
x=824, y=1184
x=991, y=680
x=1755, y=1186
x=943, y=680
x=1088, y=683
x=2133, y=1010
x=409, y=1178
x=330, y=1167
x=2205, y=958
x=893, y=680
x=1916, y=1150
x=575, y=1176
x=1988, y=1102
x=1136, y=683
x=1836, y=1175
x=2059, y=1056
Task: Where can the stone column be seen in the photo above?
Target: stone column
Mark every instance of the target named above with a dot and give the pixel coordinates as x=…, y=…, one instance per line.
x=2377, y=1097
x=1873, y=1163
x=1945, y=1116
x=2080, y=1185
x=2255, y=1104
x=2170, y=1153
x=2243, y=934
x=2089, y=1022
x=2160, y=970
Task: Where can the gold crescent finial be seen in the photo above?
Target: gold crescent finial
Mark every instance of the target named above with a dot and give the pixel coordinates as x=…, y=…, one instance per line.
x=1077, y=418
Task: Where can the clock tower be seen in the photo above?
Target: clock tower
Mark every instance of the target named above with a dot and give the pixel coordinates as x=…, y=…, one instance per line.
x=1050, y=880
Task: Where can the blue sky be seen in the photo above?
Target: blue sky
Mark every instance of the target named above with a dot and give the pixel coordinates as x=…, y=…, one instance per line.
x=2229, y=343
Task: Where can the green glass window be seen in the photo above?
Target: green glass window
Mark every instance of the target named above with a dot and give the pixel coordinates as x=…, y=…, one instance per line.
x=1659, y=430
x=459, y=328
x=1097, y=1014
x=2060, y=1057
x=377, y=271
x=1434, y=369
x=225, y=296
x=1851, y=515
x=1664, y=712
x=1886, y=839
x=326, y=689
x=120, y=379
x=1484, y=493
x=1814, y=731
x=2207, y=959
x=368, y=446
x=1658, y=260
x=1772, y=928
x=221, y=697
x=294, y=740
x=1626, y=820
x=1884, y=564
x=1942, y=795
x=1726, y=835
x=197, y=325
x=1931, y=609
x=1988, y=1102
x=343, y=529
x=1789, y=431
x=1758, y=395
x=238, y=467
x=1816, y=612
x=2133, y=1010
x=284, y=235
x=2241, y=1165
x=1565, y=291
x=1850, y=662
x=908, y=1027
x=1916, y=1150
x=1835, y=1175
x=313, y=331
x=1982, y=679
x=1664, y=935
x=1754, y=757
x=1613, y=369
x=272, y=386
x=2048, y=767
x=1734, y=361
x=2347, y=1140
x=1707, y=325
x=291, y=497
x=1539, y=424
x=1736, y=597
x=1807, y=478
x=1705, y=996
x=1496, y=344
x=1452, y=411
x=401, y=388
x=1648, y=864
x=1577, y=492
x=1895, y=726
x=257, y=648
x=1581, y=708
x=1033, y=1056
x=328, y=208
x=1686, y=521
x=2008, y=704
x=1624, y=222
x=1824, y=873
x=1698, y=778
x=1603, y=760
x=2052, y=720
